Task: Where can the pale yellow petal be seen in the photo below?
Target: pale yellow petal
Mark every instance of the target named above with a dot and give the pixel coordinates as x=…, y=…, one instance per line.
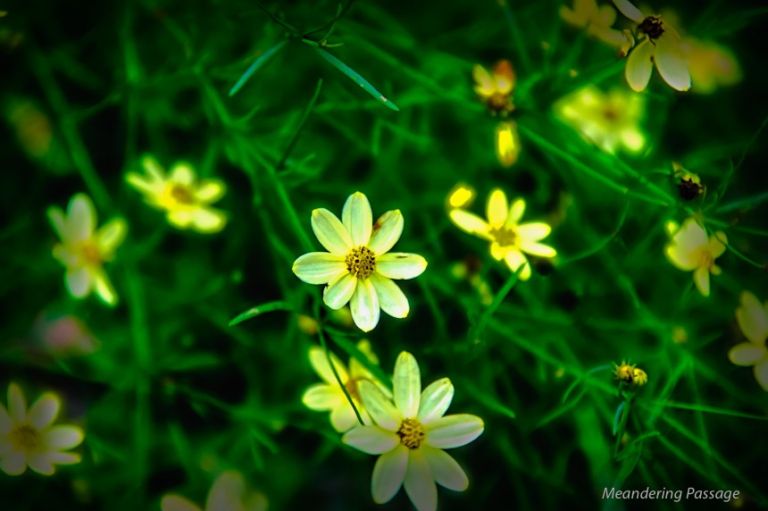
x=717, y=244
x=371, y=439
x=445, y=469
x=515, y=259
x=153, y=169
x=516, y=211
x=701, y=279
x=386, y=232
x=319, y=267
x=41, y=463
x=210, y=190
x=537, y=249
x=358, y=218
x=629, y=10
x=59, y=222
x=470, y=223
x=399, y=265
x=181, y=217
x=685, y=260
x=319, y=361
x=497, y=208
x=17, y=403
x=419, y=483
x=671, y=63
x=640, y=66
x=81, y=218
x=485, y=86
x=392, y=300
x=339, y=292
x=534, y=231
x=111, y=235
x=379, y=406
x=752, y=318
x=104, y=288
x=226, y=493
x=454, y=430
x=761, y=374
x=364, y=306
x=330, y=232
x=79, y=282
x=407, y=384
x=182, y=174
x=343, y=416
x=747, y=354
x=322, y=397
x=177, y=503
x=435, y=400
x=44, y=411
x=5, y=420
x=148, y=187
x=388, y=474
x=13, y=464
x=63, y=437
x=208, y=220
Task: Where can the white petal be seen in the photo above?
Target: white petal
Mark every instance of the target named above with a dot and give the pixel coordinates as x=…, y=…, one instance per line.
x=445, y=470
x=470, y=223
x=41, y=463
x=371, y=439
x=17, y=403
x=358, y=218
x=629, y=10
x=111, y=235
x=761, y=374
x=59, y=222
x=319, y=361
x=388, y=474
x=343, y=416
x=454, y=430
x=81, y=219
x=386, y=231
x=63, y=458
x=210, y=190
x=392, y=300
x=671, y=63
x=516, y=211
x=534, y=231
x=338, y=293
x=364, y=306
x=435, y=400
x=639, y=66
x=63, y=437
x=319, y=267
x=14, y=463
x=537, y=249
x=330, y=232
x=701, y=279
x=79, y=282
x=227, y=491
x=747, y=354
x=752, y=318
x=407, y=384
x=419, y=482
x=208, y=220
x=398, y=265
x=177, y=503
x=382, y=410
x=182, y=174
x=44, y=411
x=322, y=397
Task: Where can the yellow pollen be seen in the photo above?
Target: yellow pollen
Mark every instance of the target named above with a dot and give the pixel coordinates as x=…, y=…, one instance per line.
x=182, y=194
x=361, y=262
x=90, y=253
x=503, y=236
x=351, y=387
x=411, y=433
x=25, y=438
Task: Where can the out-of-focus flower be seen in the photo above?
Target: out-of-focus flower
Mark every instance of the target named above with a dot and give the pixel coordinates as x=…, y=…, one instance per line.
x=630, y=374
x=689, y=185
x=461, y=196
x=358, y=268
x=660, y=44
x=510, y=240
x=507, y=143
x=710, y=64
x=64, y=335
x=33, y=128
x=28, y=437
x=329, y=396
x=692, y=250
x=83, y=250
x=596, y=21
x=752, y=317
x=639, y=377
x=679, y=335
x=228, y=493
x=609, y=120
x=495, y=88
x=410, y=435
x=185, y=198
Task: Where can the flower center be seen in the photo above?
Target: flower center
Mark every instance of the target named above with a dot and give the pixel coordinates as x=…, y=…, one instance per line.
x=25, y=438
x=351, y=387
x=361, y=262
x=411, y=433
x=90, y=253
x=652, y=27
x=503, y=236
x=610, y=114
x=182, y=194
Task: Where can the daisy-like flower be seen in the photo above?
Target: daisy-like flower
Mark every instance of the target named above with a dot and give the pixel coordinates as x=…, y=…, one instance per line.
x=358, y=267
x=329, y=396
x=410, y=435
x=185, y=198
x=692, y=250
x=83, y=250
x=660, y=44
x=495, y=88
x=228, y=493
x=507, y=143
x=610, y=120
x=28, y=437
x=752, y=317
x=510, y=240
x=595, y=20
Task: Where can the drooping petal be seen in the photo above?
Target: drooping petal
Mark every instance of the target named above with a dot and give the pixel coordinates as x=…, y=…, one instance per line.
x=640, y=66
x=17, y=403
x=79, y=282
x=407, y=384
x=339, y=292
x=386, y=231
x=81, y=218
x=41, y=463
x=322, y=397
x=44, y=411
x=516, y=211
x=177, y=503
x=371, y=439
x=382, y=410
x=419, y=483
x=435, y=400
x=515, y=259
x=537, y=249
x=343, y=417
x=208, y=220
x=319, y=361
x=400, y=265
x=182, y=174
x=330, y=232
x=392, y=300
x=470, y=223
x=319, y=267
x=14, y=463
x=388, y=474
x=746, y=354
x=533, y=231
x=496, y=209
x=761, y=374
x=226, y=493
x=671, y=62
x=358, y=218
x=104, y=288
x=210, y=190
x=111, y=235
x=701, y=279
x=454, y=430
x=445, y=469
x=752, y=318
x=364, y=306
x=629, y=10
x=63, y=437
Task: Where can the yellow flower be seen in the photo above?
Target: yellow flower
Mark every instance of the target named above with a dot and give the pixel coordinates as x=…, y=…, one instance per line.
x=28, y=438
x=691, y=250
x=660, y=44
x=410, y=434
x=461, y=196
x=185, y=199
x=611, y=120
x=83, y=250
x=358, y=267
x=752, y=317
x=509, y=239
x=596, y=20
x=624, y=371
x=228, y=493
x=495, y=89
x=507, y=143
x=329, y=396
x=639, y=377
x=710, y=64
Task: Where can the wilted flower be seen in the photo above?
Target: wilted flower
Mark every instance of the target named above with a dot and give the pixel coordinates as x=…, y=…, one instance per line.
x=228, y=493
x=692, y=250
x=752, y=317
x=688, y=184
x=495, y=88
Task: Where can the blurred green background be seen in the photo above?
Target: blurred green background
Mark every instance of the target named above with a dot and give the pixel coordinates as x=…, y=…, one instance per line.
x=172, y=395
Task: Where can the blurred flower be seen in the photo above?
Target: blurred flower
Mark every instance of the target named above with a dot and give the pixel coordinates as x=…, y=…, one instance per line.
x=28, y=438
x=185, y=198
x=84, y=250
x=65, y=335
x=228, y=493
x=33, y=128
x=507, y=143
x=329, y=396
x=752, y=317
x=596, y=21
x=495, y=88
x=689, y=184
x=461, y=196
x=711, y=65
x=410, y=435
x=639, y=377
x=679, y=335
x=630, y=374
x=691, y=250
x=610, y=120
x=660, y=44
x=358, y=267
x=509, y=239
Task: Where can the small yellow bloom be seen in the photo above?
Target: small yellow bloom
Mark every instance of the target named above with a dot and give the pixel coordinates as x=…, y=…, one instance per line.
x=595, y=20
x=329, y=396
x=358, y=268
x=660, y=44
x=507, y=143
x=461, y=196
x=83, y=250
x=623, y=371
x=611, y=120
x=228, y=493
x=692, y=250
x=639, y=377
x=710, y=64
x=28, y=437
x=495, y=89
x=509, y=239
x=185, y=199
x=752, y=317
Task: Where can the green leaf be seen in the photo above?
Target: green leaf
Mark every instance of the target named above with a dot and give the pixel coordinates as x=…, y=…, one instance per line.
x=261, y=309
x=257, y=64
